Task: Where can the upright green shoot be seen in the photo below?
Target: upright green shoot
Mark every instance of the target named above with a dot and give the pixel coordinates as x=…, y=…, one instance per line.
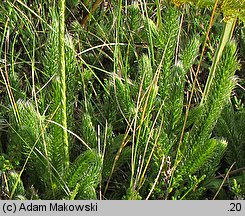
x=62, y=71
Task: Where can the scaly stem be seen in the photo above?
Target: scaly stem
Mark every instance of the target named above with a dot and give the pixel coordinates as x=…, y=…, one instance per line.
x=226, y=37
x=62, y=70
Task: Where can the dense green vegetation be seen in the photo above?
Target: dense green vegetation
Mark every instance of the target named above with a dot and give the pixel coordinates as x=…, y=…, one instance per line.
x=122, y=99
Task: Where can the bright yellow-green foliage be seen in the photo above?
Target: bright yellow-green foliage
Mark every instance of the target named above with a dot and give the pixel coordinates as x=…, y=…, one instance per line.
x=230, y=8
x=234, y=8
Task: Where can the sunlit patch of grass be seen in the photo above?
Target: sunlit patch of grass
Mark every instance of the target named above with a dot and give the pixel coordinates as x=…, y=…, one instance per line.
x=111, y=104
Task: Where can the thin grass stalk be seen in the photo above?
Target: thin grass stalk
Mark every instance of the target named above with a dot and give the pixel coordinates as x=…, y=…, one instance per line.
x=226, y=176
x=5, y=44
x=62, y=70
x=135, y=129
x=139, y=104
x=156, y=179
x=147, y=94
x=68, y=131
x=86, y=18
x=150, y=36
x=34, y=95
x=143, y=125
x=66, y=189
x=193, y=87
x=142, y=176
x=125, y=141
x=32, y=11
